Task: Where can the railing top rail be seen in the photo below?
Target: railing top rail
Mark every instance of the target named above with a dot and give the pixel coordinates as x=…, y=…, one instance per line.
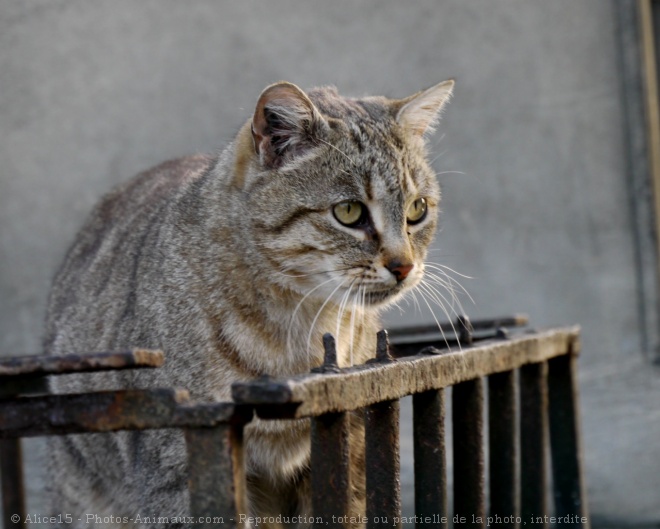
x=38, y=365
x=110, y=411
x=414, y=332
x=351, y=388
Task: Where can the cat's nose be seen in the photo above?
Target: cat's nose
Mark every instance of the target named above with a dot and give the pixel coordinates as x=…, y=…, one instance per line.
x=399, y=269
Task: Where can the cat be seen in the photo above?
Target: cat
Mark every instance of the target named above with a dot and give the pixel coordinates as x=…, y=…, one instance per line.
x=318, y=215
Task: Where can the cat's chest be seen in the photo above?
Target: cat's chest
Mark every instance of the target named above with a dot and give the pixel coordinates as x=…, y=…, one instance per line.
x=289, y=345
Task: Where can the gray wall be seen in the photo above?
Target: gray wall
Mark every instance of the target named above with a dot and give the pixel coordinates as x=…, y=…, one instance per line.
x=535, y=201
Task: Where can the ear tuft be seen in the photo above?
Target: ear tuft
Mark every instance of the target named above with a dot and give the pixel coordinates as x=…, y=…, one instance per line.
x=284, y=124
x=420, y=112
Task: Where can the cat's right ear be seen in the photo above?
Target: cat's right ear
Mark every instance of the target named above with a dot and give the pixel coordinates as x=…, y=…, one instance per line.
x=285, y=124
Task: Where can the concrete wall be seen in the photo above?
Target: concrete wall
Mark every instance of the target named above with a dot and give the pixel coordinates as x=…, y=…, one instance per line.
x=530, y=153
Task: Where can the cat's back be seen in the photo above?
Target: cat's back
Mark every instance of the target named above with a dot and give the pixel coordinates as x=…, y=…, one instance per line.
x=93, y=290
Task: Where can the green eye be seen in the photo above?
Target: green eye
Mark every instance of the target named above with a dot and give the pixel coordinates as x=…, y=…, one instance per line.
x=416, y=211
x=349, y=213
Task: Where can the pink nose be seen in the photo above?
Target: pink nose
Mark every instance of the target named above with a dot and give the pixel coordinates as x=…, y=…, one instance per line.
x=399, y=269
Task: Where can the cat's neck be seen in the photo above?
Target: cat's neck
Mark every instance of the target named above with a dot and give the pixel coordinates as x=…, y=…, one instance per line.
x=285, y=330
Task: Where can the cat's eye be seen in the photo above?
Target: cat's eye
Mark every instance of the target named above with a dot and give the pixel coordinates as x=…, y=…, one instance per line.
x=350, y=213
x=416, y=211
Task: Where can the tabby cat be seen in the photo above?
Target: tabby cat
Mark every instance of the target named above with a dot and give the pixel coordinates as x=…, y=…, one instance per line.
x=315, y=217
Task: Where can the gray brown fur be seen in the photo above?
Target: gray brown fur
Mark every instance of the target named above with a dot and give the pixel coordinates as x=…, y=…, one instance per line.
x=208, y=258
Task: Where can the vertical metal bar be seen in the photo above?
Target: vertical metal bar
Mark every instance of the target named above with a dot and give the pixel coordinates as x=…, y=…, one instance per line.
x=565, y=442
x=216, y=475
x=533, y=442
x=430, y=459
x=503, y=461
x=382, y=462
x=330, y=469
x=11, y=474
x=469, y=464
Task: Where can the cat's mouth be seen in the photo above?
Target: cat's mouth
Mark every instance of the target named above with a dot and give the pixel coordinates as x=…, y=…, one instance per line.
x=380, y=296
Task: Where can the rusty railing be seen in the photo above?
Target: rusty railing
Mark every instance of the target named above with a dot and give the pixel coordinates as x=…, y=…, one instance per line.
x=531, y=412
x=546, y=362
x=213, y=432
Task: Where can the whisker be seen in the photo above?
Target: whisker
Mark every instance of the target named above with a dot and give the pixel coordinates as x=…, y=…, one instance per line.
x=447, y=285
x=364, y=308
x=439, y=140
x=431, y=288
x=433, y=294
x=396, y=304
x=456, y=305
x=293, y=316
x=355, y=308
x=454, y=301
x=445, y=267
x=450, y=281
x=450, y=172
x=437, y=156
x=342, y=308
x=421, y=287
x=316, y=317
x=416, y=303
x=317, y=273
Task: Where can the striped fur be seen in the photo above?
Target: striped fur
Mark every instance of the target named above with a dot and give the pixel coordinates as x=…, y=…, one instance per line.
x=235, y=266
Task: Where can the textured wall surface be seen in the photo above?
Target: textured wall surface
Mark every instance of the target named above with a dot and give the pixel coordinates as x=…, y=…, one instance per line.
x=530, y=154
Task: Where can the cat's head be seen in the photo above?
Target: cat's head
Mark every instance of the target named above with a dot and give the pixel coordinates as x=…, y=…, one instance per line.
x=347, y=202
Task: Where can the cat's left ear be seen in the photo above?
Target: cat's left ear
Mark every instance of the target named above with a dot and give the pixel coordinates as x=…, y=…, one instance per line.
x=285, y=124
x=420, y=112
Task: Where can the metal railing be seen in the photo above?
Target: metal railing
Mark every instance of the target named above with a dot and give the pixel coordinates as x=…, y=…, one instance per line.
x=213, y=432
x=531, y=412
